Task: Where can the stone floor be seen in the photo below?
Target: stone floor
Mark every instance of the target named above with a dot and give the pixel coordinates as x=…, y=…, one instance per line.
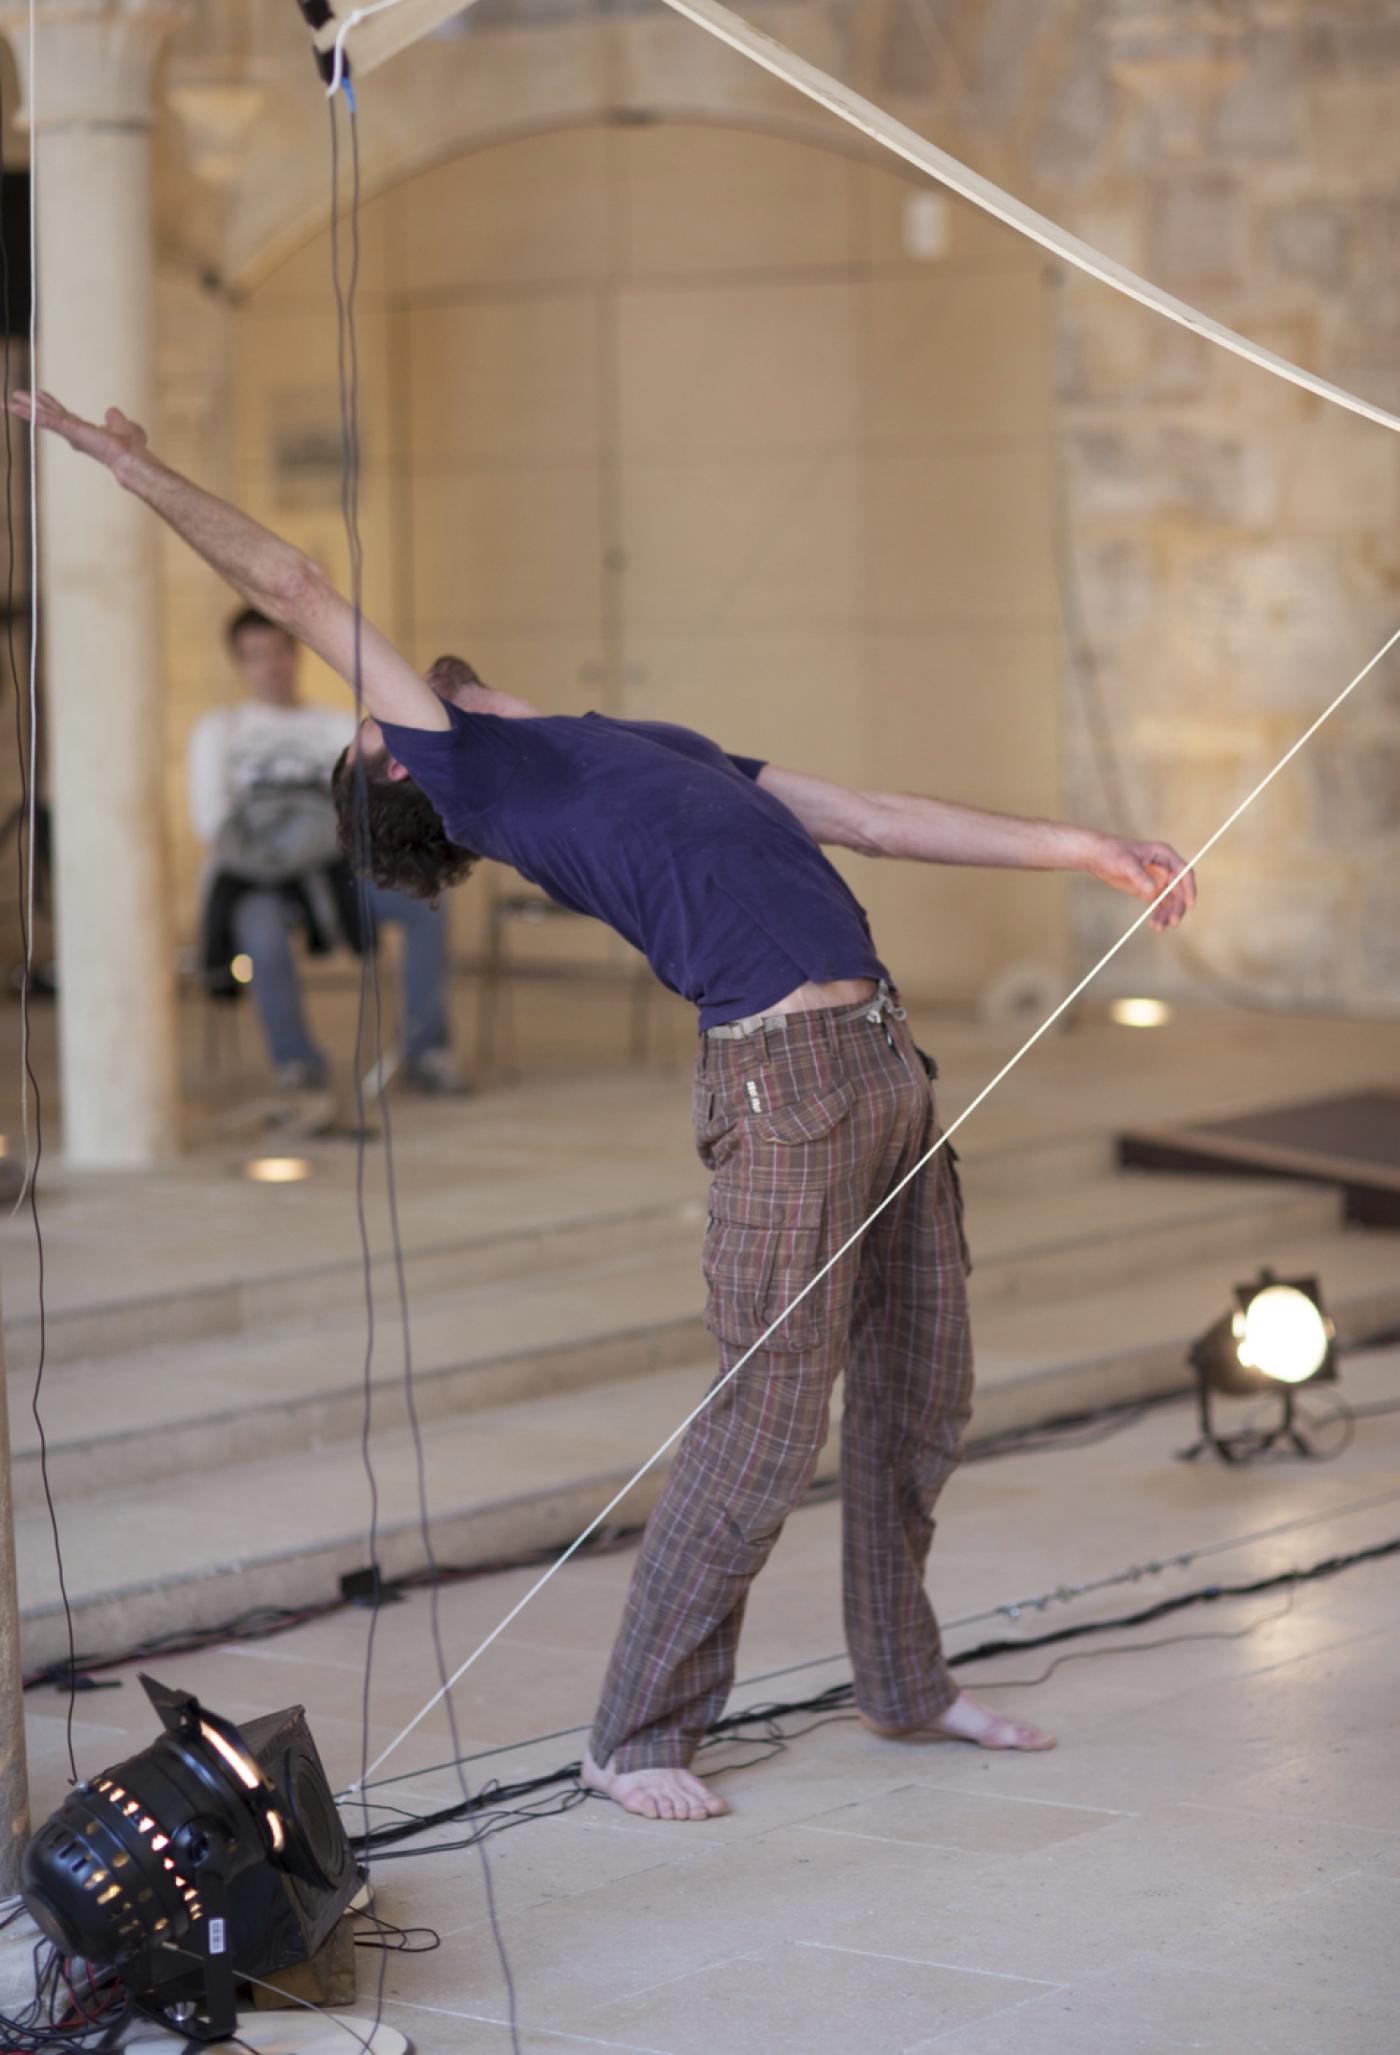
x=1210, y=1859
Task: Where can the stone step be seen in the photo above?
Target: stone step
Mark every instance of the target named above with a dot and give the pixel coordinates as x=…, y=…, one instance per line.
x=313, y=1291
x=527, y=1232
x=187, y=1405
x=515, y=1478
x=1042, y=1243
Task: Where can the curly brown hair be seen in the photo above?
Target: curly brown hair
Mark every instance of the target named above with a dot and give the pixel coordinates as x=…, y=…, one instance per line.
x=397, y=839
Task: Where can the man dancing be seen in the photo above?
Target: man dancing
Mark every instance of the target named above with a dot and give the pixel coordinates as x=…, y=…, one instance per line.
x=811, y=1104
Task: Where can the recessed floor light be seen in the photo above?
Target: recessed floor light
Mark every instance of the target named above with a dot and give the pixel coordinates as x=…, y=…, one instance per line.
x=277, y=1169
x=1139, y=1013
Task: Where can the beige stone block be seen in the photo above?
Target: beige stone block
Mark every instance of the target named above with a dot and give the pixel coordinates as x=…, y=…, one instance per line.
x=949, y=1816
x=963, y=535
x=711, y=547
x=713, y=199
x=1335, y=1939
x=715, y=370
x=529, y=211
x=799, y=1999
x=513, y=549
x=1103, y=1897
x=503, y=380
x=1142, y=2006
x=791, y=695
x=578, y=1955
x=961, y=353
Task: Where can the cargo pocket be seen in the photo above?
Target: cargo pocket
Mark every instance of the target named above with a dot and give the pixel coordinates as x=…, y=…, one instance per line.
x=761, y=1248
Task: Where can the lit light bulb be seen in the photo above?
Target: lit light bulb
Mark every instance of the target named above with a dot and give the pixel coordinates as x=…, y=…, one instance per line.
x=242, y=970
x=1283, y=1334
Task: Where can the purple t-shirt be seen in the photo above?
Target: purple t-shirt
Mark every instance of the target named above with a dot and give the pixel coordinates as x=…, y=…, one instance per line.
x=653, y=829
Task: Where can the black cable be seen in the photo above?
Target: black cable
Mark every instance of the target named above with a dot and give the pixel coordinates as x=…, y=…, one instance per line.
x=348, y=368
x=838, y=1699
x=27, y=759
x=57, y=2018
x=265, y=1622
x=396, y=1939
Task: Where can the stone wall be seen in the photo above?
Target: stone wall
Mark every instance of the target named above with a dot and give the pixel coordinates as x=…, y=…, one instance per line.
x=1229, y=545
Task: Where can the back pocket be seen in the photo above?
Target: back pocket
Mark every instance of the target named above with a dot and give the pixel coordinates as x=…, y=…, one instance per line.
x=804, y=1120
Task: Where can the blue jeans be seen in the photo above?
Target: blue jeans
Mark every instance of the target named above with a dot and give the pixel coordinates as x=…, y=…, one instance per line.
x=263, y=926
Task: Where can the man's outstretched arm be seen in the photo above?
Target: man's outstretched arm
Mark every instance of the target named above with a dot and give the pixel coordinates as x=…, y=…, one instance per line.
x=902, y=824
x=266, y=571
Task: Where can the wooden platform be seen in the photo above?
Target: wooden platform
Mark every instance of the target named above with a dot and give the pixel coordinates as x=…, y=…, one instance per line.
x=1351, y=1141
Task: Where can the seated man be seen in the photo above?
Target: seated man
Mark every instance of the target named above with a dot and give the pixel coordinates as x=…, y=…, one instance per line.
x=812, y=1105
x=259, y=775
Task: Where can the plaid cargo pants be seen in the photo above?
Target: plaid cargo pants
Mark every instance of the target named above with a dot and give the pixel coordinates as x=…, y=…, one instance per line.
x=806, y=1128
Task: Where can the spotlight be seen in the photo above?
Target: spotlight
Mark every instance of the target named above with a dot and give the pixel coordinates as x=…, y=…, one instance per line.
x=1278, y=1337
x=241, y=970
x=160, y=1867
x=1139, y=1013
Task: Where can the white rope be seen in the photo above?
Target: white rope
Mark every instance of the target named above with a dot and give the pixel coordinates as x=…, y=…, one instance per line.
x=351, y=21
x=650, y=1464
x=917, y=150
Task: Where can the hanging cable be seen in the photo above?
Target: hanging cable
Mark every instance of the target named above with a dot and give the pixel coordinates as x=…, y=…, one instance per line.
x=27, y=758
x=370, y=1020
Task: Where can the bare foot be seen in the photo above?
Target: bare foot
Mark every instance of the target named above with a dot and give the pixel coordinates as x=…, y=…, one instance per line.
x=659, y=1794
x=966, y=1719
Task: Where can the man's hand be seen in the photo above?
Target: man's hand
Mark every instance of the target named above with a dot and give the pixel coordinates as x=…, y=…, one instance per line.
x=1144, y=868
x=114, y=441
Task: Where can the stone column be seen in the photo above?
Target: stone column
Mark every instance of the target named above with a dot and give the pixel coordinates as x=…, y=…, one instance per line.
x=14, y=1782
x=88, y=100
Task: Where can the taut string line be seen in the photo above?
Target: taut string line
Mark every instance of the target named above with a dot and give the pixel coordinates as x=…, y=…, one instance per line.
x=985, y=1093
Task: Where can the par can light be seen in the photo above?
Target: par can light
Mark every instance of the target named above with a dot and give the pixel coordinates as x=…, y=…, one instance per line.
x=138, y=1869
x=1277, y=1337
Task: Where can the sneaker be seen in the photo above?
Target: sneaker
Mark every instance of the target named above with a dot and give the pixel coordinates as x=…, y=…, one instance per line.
x=436, y=1075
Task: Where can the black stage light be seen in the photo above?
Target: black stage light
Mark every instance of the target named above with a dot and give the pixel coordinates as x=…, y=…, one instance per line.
x=1278, y=1337
x=213, y=1852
